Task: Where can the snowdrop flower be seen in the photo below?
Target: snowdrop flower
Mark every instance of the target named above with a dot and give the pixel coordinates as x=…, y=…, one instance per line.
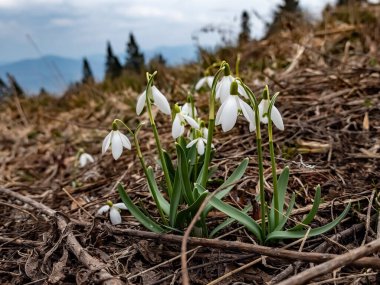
x=229, y=110
x=200, y=140
x=117, y=141
x=158, y=99
x=180, y=120
x=223, y=87
x=201, y=82
x=275, y=114
x=114, y=210
x=188, y=110
x=84, y=159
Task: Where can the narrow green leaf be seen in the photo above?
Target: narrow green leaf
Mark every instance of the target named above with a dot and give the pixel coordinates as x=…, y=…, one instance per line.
x=227, y=222
x=236, y=214
x=310, y=216
x=156, y=193
x=282, y=185
x=283, y=219
x=313, y=232
x=230, y=182
x=146, y=221
x=185, y=216
x=176, y=198
x=184, y=175
x=169, y=165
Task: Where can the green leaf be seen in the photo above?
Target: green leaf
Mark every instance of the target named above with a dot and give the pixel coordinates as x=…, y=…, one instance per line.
x=284, y=219
x=313, y=232
x=169, y=165
x=282, y=185
x=236, y=214
x=176, y=198
x=227, y=222
x=184, y=174
x=156, y=193
x=230, y=182
x=146, y=221
x=310, y=216
x=185, y=216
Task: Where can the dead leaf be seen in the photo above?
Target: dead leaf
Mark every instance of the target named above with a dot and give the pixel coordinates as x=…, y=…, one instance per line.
x=366, y=122
x=57, y=274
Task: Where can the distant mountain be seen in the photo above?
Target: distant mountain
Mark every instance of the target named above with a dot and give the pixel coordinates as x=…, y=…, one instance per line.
x=56, y=73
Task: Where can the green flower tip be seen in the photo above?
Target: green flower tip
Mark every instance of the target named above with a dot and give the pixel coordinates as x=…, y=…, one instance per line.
x=202, y=124
x=227, y=70
x=266, y=93
x=114, y=126
x=234, y=88
x=109, y=203
x=176, y=109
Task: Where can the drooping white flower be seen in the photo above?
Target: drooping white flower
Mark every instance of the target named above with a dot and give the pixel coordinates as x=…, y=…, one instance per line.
x=223, y=88
x=201, y=82
x=158, y=99
x=275, y=114
x=114, y=210
x=230, y=108
x=188, y=110
x=84, y=159
x=180, y=120
x=201, y=143
x=117, y=141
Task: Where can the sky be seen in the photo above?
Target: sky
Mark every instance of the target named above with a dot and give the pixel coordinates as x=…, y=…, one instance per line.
x=77, y=28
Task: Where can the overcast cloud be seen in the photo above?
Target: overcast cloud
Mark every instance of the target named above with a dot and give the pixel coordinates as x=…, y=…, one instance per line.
x=77, y=28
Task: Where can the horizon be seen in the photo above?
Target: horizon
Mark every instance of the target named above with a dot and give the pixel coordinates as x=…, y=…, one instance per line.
x=47, y=24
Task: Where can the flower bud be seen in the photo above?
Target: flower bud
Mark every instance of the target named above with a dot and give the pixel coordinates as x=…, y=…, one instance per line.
x=234, y=88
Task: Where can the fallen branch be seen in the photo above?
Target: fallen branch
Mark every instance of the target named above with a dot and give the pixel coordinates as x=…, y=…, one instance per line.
x=82, y=255
x=364, y=262
x=331, y=265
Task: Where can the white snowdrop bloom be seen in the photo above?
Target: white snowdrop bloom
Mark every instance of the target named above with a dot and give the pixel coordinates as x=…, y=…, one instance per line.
x=114, y=210
x=84, y=159
x=201, y=82
x=223, y=88
x=179, y=122
x=275, y=114
x=188, y=110
x=230, y=108
x=201, y=143
x=158, y=99
x=117, y=141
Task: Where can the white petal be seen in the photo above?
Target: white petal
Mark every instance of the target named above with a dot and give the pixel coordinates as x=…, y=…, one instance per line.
x=200, y=147
x=248, y=113
x=263, y=108
x=200, y=83
x=219, y=114
x=188, y=110
x=177, y=128
x=224, y=88
x=116, y=145
x=106, y=142
x=125, y=140
x=141, y=103
x=120, y=206
x=103, y=209
x=276, y=118
x=242, y=92
x=190, y=144
x=160, y=101
x=191, y=121
x=210, y=80
x=205, y=133
x=229, y=115
x=115, y=216
x=84, y=159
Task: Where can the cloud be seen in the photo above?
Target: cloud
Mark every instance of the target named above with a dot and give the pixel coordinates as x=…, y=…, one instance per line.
x=62, y=22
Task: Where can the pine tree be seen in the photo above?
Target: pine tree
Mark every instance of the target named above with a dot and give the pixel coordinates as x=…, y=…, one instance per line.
x=88, y=77
x=4, y=89
x=245, y=32
x=14, y=86
x=113, y=66
x=135, y=59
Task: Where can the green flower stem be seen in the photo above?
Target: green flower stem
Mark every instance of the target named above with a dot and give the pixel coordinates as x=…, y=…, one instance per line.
x=142, y=161
x=211, y=127
x=156, y=137
x=274, y=173
x=255, y=105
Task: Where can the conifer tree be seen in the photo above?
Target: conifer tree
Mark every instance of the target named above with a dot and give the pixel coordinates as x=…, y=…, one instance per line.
x=113, y=66
x=245, y=32
x=88, y=77
x=135, y=59
x=14, y=86
x=4, y=89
